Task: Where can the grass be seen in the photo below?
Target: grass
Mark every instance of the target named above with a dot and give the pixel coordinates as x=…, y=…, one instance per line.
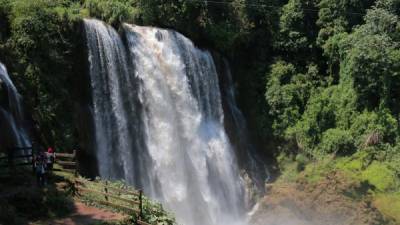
x=380, y=176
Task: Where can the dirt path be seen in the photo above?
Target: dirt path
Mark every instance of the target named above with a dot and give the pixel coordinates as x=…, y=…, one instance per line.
x=83, y=215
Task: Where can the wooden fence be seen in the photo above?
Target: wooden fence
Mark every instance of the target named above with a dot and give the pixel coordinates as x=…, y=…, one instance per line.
x=24, y=156
x=67, y=161
x=18, y=156
x=110, y=193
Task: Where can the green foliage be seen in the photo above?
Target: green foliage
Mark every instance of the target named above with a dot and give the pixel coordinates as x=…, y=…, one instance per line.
x=154, y=213
x=337, y=141
x=288, y=167
x=351, y=112
x=380, y=176
x=317, y=170
x=41, y=46
x=318, y=117
x=367, y=123
x=283, y=97
x=392, y=6
x=302, y=161
x=4, y=9
x=288, y=93
x=370, y=60
x=353, y=164
x=336, y=16
x=113, y=12
x=297, y=27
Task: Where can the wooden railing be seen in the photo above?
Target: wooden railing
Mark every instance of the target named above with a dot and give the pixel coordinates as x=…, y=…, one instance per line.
x=67, y=161
x=15, y=158
x=110, y=193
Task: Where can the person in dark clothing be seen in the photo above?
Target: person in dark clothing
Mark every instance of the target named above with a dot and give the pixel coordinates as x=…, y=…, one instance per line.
x=40, y=168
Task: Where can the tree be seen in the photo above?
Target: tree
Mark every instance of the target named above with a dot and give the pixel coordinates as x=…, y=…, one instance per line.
x=43, y=53
x=371, y=60
x=287, y=94
x=337, y=16
x=297, y=26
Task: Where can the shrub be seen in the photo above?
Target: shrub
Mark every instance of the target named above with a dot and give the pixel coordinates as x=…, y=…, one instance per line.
x=367, y=123
x=302, y=161
x=337, y=141
x=112, y=11
x=318, y=117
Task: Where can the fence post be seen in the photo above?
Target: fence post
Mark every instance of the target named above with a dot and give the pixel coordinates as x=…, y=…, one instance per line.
x=140, y=204
x=106, y=191
x=76, y=165
x=75, y=187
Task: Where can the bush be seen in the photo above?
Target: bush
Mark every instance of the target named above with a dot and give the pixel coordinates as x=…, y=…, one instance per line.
x=288, y=93
x=337, y=141
x=42, y=48
x=302, y=162
x=112, y=11
x=367, y=123
x=288, y=167
x=318, y=117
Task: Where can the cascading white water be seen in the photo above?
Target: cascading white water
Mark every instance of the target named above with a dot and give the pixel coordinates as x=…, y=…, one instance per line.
x=111, y=96
x=194, y=167
x=12, y=117
x=159, y=122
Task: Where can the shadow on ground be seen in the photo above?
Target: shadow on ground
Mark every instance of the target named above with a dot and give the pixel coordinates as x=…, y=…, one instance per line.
x=23, y=200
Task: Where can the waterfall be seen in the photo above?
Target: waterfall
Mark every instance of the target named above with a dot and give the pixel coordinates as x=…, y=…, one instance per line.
x=159, y=122
x=11, y=114
x=113, y=92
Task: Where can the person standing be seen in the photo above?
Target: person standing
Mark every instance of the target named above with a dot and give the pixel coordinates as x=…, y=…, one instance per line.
x=50, y=157
x=40, y=167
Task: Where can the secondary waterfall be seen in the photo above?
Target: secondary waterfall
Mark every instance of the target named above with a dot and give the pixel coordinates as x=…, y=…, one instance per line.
x=11, y=114
x=159, y=122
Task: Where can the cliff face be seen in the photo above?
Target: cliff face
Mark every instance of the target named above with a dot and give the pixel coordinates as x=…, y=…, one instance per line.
x=82, y=102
